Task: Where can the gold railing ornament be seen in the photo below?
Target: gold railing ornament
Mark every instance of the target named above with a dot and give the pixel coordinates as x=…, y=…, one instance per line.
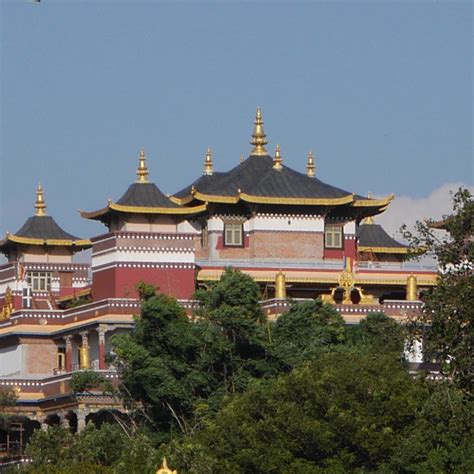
x=346, y=283
x=280, y=286
x=164, y=469
x=412, y=288
x=84, y=357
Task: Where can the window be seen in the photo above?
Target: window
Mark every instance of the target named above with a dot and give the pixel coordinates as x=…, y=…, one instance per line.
x=39, y=281
x=233, y=235
x=333, y=236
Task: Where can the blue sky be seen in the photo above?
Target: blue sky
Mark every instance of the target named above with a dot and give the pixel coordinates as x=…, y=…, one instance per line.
x=381, y=91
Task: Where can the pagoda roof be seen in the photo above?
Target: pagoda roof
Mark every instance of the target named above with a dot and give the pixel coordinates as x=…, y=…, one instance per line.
x=255, y=180
x=42, y=229
x=373, y=238
x=261, y=179
x=142, y=197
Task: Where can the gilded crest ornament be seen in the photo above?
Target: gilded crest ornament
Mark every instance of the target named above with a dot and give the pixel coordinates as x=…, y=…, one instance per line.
x=164, y=469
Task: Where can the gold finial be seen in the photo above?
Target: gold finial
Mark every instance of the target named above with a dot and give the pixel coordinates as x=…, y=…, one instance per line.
x=277, y=160
x=208, y=167
x=164, y=469
x=369, y=219
x=40, y=205
x=310, y=165
x=142, y=171
x=258, y=137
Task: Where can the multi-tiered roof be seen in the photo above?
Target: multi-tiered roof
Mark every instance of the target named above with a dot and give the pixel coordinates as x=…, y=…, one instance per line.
x=42, y=230
x=142, y=197
x=263, y=179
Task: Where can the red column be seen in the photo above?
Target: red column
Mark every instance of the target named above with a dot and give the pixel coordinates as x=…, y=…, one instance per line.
x=68, y=362
x=102, y=365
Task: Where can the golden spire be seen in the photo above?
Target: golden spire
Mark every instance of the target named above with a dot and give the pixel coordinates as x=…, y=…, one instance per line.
x=258, y=137
x=277, y=160
x=142, y=171
x=208, y=167
x=310, y=165
x=40, y=205
x=369, y=220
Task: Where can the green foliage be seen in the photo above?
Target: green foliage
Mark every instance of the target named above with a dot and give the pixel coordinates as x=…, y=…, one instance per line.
x=145, y=290
x=299, y=334
x=104, y=450
x=449, y=314
x=442, y=437
x=78, y=301
x=179, y=370
x=379, y=333
x=88, y=380
x=345, y=411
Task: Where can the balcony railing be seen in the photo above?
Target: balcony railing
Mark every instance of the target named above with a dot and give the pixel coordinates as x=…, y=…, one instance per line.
x=271, y=263
x=401, y=266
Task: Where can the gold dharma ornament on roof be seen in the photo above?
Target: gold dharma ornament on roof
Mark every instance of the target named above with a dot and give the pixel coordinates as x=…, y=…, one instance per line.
x=164, y=469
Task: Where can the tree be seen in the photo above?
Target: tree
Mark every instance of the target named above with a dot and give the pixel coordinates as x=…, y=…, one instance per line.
x=441, y=439
x=447, y=324
x=87, y=380
x=380, y=333
x=179, y=369
x=104, y=450
x=345, y=411
x=300, y=333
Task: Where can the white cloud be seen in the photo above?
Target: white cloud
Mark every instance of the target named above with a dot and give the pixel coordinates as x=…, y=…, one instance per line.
x=407, y=210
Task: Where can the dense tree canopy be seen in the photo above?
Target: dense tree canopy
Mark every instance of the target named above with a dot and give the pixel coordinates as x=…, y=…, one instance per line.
x=447, y=324
x=228, y=391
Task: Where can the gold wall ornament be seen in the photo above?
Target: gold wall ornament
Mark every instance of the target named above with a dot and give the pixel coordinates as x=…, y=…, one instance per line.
x=164, y=469
x=208, y=166
x=412, y=288
x=277, y=161
x=7, y=309
x=258, y=137
x=84, y=357
x=280, y=285
x=40, y=204
x=142, y=171
x=310, y=168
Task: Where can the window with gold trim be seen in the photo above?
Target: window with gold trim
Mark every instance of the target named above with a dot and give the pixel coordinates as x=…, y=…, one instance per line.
x=333, y=236
x=233, y=235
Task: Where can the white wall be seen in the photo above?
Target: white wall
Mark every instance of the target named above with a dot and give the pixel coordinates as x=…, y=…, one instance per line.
x=11, y=360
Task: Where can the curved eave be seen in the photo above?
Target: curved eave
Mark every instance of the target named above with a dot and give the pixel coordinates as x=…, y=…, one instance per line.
x=83, y=243
x=297, y=201
x=143, y=210
x=401, y=250
x=374, y=202
x=266, y=199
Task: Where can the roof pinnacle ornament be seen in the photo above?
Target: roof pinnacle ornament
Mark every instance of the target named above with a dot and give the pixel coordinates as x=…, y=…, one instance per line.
x=258, y=137
x=369, y=219
x=310, y=165
x=208, y=166
x=142, y=171
x=277, y=160
x=40, y=205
